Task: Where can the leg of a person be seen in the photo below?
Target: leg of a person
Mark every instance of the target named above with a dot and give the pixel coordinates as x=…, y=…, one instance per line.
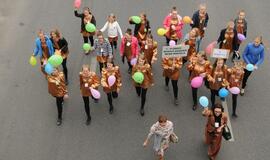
x=138, y=90
x=167, y=41
x=115, y=44
x=91, y=40
x=111, y=43
x=64, y=65
x=234, y=103
x=109, y=96
x=213, y=97
x=101, y=65
x=143, y=98
x=114, y=94
x=175, y=88
x=86, y=106
x=129, y=65
x=194, y=95
x=59, y=101
x=246, y=75
x=167, y=80
x=85, y=39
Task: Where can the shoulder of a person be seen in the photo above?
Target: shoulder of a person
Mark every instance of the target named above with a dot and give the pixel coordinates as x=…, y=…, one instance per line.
x=116, y=67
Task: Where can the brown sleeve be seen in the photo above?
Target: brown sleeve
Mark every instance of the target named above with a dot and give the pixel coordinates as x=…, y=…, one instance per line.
x=118, y=78
x=149, y=73
x=81, y=81
x=206, y=112
x=95, y=81
x=103, y=76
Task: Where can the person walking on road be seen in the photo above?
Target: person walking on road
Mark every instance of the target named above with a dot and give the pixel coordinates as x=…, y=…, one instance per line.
x=192, y=39
x=88, y=80
x=150, y=50
x=253, y=54
x=57, y=88
x=162, y=131
x=216, y=121
x=61, y=47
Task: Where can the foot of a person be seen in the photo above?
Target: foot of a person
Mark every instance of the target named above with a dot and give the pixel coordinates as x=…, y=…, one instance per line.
x=129, y=71
x=242, y=92
x=142, y=112
x=234, y=115
x=111, y=110
x=166, y=88
x=194, y=107
x=67, y=82
x=59, y=122
x=88, y=121
x=176, y=102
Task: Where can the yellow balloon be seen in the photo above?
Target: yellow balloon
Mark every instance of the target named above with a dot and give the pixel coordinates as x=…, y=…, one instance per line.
x=187, y=20
x=32, y=61
x=161, y=31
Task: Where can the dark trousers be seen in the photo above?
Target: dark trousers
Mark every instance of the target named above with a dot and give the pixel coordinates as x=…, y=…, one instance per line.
x=129, y=64
x=168, y=41
x=113, y=44
x=64, y=65
x=85, y=40
x=194, y=95
x=214, y=93
x=59, y=101
x=102, y=65
x=110, y=96
x=86, y=106
x=174, y=85
x=245, y=78
x=142, y=92
x=234, y=102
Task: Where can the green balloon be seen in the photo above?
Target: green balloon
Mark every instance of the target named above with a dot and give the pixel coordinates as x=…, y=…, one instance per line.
x=138, y=77
x=86, y=47
x=55, y=60
x=136, y=19
x=90, y=27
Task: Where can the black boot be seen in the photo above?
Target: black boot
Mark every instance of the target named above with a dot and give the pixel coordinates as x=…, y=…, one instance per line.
x=142, y=112
x=111, y=109
x=88, y=121
x=59, y=122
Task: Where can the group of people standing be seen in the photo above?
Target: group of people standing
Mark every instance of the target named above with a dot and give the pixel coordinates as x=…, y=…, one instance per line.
x=140, y=51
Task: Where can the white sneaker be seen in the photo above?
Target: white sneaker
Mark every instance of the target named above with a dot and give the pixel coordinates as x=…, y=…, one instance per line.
x=242, y=92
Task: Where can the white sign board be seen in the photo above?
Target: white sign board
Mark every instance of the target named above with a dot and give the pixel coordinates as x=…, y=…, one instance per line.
x=220, y=53
x=174, y=51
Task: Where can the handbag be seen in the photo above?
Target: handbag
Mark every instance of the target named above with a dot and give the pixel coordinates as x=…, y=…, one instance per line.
x=226, y=133
x=174, y=138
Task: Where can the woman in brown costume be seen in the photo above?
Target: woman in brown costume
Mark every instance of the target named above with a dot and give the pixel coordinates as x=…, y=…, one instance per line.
x=199, y=66
x=192, y=39
x=111, y=91
x=141, y=89
x=57, y=88
x=88, y=80
x=216, y=121
x=171, y=71
x=149, y=48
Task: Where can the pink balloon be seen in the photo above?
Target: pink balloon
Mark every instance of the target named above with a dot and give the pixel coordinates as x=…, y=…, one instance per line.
x=77, y=3
x=95, y=93
x=241, y=37
x=210, y=47
x=111, y=80
x=66, y=96
x=172, y=43
x=197, y=82
x=234, y=90
x=133, y=61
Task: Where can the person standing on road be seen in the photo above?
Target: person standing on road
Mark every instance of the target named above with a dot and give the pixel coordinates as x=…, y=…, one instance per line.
x=216, y=121
x=141, y=88
x=171, y=71
x=149, y=48
x=142, y=29
x=174, y=25
x=113, y=29
x=129, y=48
x=217, y=79
x=161, y=130
x=113, y=90
x=57, y=88
x=103, y=50
x=198, y=66
x=241, y=28
x=235, y=77
x=86, y=17
x=253, y=54
x=200, y=20
x=88, y=80
x=192, y=39
x=61, y=47
x=44, y=49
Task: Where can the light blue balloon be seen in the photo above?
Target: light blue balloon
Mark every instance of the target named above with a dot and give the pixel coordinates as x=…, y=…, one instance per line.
x=48, y=68
x=223, y=92
x=250, y=67
x=204, y=101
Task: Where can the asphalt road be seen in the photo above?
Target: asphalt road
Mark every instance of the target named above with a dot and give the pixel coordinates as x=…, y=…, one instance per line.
x=28, y=128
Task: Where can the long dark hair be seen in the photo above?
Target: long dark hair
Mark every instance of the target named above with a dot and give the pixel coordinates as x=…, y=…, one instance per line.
x=215, y=65
x=219, y=106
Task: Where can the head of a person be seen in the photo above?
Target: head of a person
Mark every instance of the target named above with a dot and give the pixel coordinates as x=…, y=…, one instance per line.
x=100, y=37
x=194, y=32
x=202, y=58
x=143, y=16
x=86, y=11
x=218, y=109
x=141, y=59
x=202, y=9
x=230, y=26
x=162, y=120
x=41, y=35
x=149, y=38
x=128, y=34
x=111, y=18
x=174, y=12
x=241, y=14
x=85, y=69
x=109, y=64
x=257, y=41
x=220, y=63
x=238, y=65
x=55, y=34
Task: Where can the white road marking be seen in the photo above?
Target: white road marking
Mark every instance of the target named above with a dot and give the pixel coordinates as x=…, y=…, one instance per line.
x=225, y=106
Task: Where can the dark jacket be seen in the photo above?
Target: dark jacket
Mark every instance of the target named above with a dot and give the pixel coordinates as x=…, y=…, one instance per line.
x=81, y=15
x=137, y=27
x=245, y=25
x=222, y=37
x=196, y=20
x=62, y=43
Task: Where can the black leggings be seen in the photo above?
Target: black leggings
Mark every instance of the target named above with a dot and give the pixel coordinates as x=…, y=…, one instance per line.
x=174, y=85
x=102, y=65
x=59, y=101
x=85, y=40
x=141, y=92
x=86, y=106
x=246, y=75
x=111, y=95
x=194, y=95
x=214, y=93
x=234, y=102
x=64, y=65
x=129, y=64
x=113, y=44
